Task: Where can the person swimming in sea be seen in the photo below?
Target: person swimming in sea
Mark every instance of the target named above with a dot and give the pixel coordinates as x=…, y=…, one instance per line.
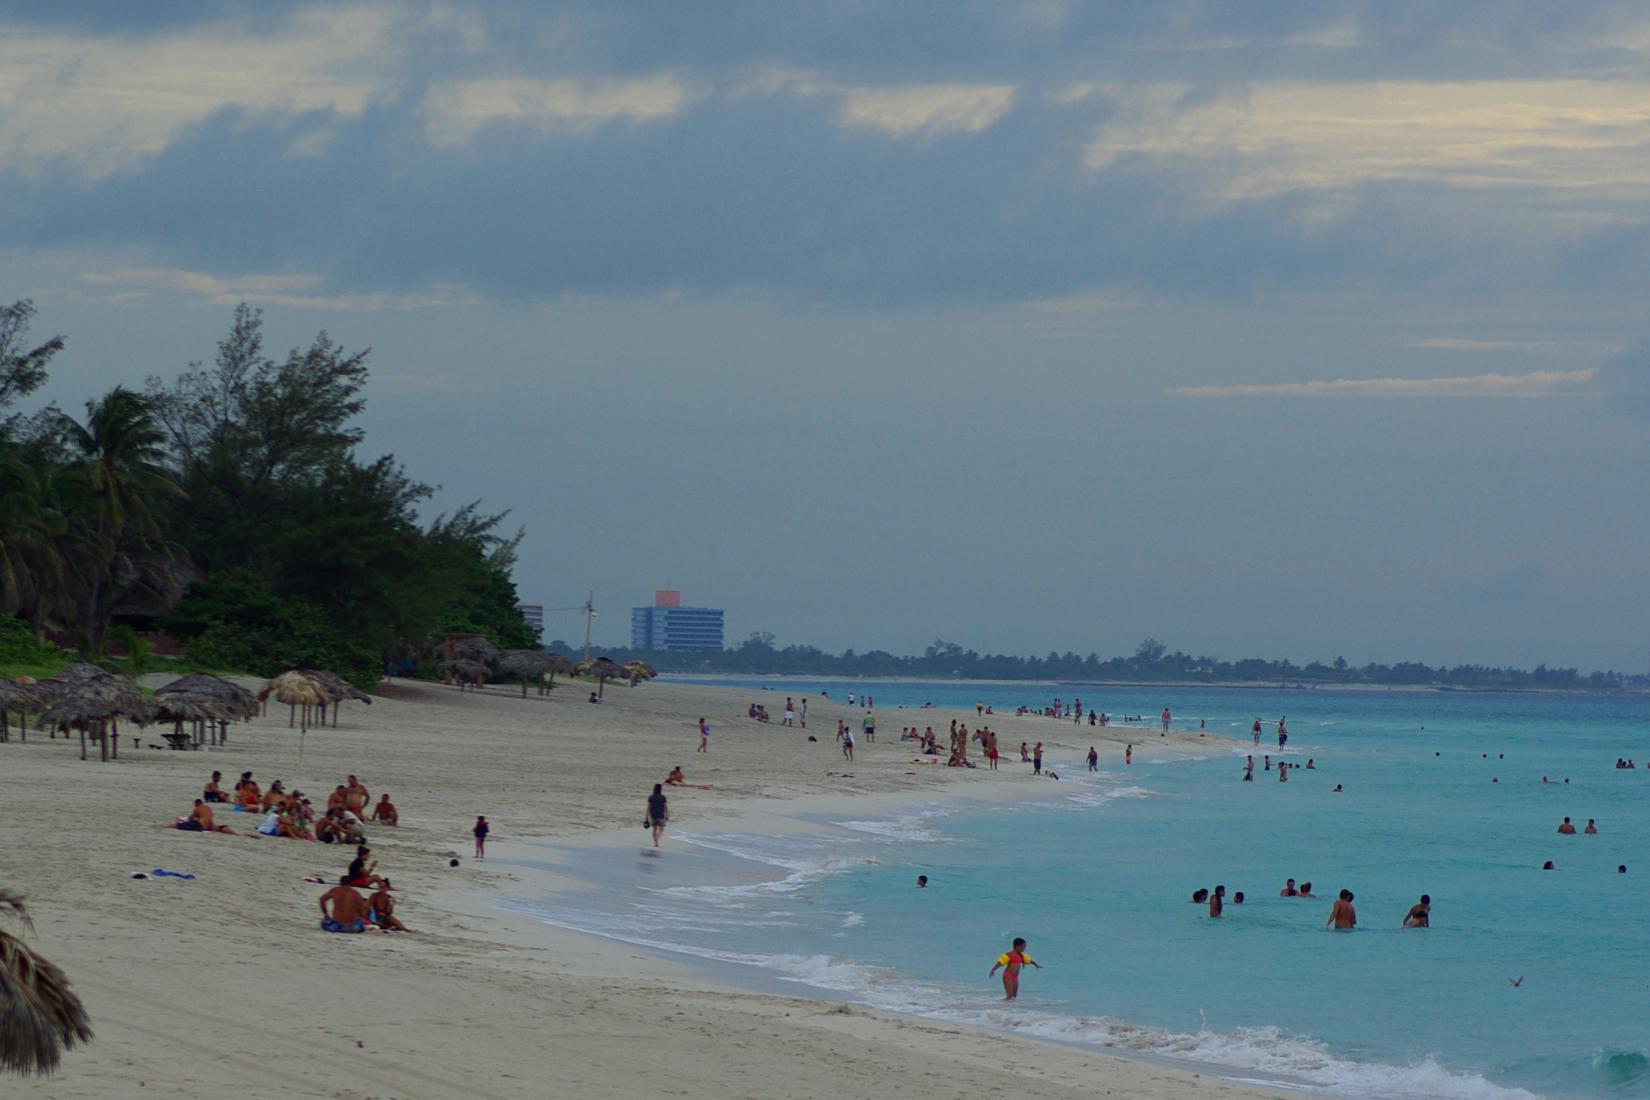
x=1342, y=917
x=1289, y=890
x=1420, y=914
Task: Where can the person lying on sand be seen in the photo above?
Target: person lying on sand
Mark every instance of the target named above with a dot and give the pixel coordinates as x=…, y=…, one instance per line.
x=382, y=911
x=200, y=820
x=349, y=911
x=385, y=811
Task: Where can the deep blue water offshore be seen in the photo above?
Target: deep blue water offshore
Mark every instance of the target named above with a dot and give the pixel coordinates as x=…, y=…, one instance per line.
x=1097, y=879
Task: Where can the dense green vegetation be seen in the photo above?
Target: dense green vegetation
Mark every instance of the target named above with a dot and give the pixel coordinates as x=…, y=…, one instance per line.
x=230, y=508
x=1151, y=662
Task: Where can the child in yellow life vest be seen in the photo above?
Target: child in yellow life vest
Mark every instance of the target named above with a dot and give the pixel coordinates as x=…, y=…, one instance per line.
x=1010, y=963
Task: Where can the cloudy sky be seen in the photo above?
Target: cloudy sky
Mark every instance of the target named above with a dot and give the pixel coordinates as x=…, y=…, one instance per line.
x=1276, y=330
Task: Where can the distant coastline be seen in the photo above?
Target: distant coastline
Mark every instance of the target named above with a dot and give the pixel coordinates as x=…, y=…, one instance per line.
x=1240, y=685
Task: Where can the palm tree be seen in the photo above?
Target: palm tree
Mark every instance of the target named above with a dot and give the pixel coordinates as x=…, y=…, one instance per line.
x=40, y=1016
x=122, y=450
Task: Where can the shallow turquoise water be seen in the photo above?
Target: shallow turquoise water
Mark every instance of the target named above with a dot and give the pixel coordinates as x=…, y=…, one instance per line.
x=1098, y=881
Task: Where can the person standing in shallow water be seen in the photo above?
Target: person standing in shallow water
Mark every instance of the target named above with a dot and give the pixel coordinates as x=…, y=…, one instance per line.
x=1342, y=917
x=1094, y=760
x=1010, y=963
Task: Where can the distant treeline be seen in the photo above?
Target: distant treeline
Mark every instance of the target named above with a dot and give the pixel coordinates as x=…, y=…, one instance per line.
x=1151, y=662
x=228, y=508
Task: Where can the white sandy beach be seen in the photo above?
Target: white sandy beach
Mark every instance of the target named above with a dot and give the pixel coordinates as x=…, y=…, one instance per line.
x=224, y=985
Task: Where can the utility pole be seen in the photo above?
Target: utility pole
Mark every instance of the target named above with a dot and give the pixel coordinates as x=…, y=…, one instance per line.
x=589, y=614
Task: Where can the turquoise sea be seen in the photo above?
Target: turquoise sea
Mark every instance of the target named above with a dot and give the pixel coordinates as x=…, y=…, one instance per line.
x=1098, y=879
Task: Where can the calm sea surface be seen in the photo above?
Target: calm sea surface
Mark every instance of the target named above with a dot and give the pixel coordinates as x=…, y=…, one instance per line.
x=1098, y=879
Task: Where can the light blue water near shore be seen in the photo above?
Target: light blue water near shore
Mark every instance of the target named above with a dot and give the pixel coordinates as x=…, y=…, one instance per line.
x=1098, y=878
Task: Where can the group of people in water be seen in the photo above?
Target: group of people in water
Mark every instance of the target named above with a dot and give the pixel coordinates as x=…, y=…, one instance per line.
x=1343, y=917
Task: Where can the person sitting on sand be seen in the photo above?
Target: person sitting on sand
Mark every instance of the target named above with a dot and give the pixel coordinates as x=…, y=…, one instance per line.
x=247, y=794
x=1420, y=914
x=213, y=792
x=1342, y=917
x=275, y=796
x=385, y=811
x=362, y=872
x=335, y=800
x=349, y=911
x=676, y=778
x=382, y=909
x=1566, y=828
x=330, y=828
x=292, y=823
x=594, y=698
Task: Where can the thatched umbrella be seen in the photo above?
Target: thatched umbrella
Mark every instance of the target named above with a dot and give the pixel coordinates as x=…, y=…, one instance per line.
x=466, y=672
x=338, y=689
x=86, y=698
x=524, y=663
x=602, y=669
x=637, y=671
x=473, y=647
x=209, y=701
x=16, y=697
x=557, y=663
x=40, y=1016
x=295, y=690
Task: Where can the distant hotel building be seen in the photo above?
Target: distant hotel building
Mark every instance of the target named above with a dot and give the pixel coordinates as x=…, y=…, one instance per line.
x=667, y=625
x=534, y=614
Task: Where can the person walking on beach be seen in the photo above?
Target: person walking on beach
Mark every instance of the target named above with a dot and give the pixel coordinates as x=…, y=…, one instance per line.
x=870, y=727
x=804, y=712
x=790, y=713
x=1037, y=759
x=847, y=743
x=1094, y=760
x=1420, y=914
x=1010, y=963
x=1342, y=917
x=482, y=828
x=658, y=812
x=704, y=736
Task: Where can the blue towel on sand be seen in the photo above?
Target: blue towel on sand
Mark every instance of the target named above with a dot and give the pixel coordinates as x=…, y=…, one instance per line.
x=158, y=873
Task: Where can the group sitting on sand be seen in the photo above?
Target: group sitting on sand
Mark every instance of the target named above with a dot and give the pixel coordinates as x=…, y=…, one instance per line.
x=758, y=712
x=353, y=913
x=290, y=814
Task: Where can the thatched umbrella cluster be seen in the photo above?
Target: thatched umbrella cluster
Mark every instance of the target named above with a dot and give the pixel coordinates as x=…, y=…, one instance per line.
x=208, y=703
x=40, y=1016
x=84, y=697
x=21, y=697
x=602, y=669
x=532, y=664
x=637, y=671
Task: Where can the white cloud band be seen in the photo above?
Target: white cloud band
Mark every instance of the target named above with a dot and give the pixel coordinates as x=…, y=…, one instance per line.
x=1535, y=384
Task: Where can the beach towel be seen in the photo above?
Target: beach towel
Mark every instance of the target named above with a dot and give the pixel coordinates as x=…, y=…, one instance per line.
x=158, y=873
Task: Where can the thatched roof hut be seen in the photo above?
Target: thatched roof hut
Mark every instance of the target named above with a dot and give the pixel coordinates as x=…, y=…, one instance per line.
x=238, y=703
x=462, y=671
x=526, y=663
x=40, y=1016
x=472, y=647
x=297, y=691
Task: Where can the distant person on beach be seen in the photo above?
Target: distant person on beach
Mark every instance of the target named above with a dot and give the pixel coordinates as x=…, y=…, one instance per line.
x=1165, y=719
x=1010, y=963
x=1283, y=732
x=1289, y=890
x=1037, y=759
x=804, y=712
x=385, y=811
x=869, y=725
x=676, y=778
x=850, y=698
x=1566, y=829
x=213, y=792
x=349, y=910
x=1267, y=757
x=1128, y=754
x=790, y=713
x=1420, y=914
x=1248, y=769
x=482, y=828
x=1255, y=729
x=1025, y=753
x=1591, y=829
x=1283, y=771
x=1094, y=760
x=1342, y=917
x=847, y=743
x=704, y=736
x=1217, y=901
x=658, y=812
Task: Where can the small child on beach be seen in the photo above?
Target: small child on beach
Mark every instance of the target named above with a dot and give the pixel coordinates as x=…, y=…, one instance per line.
x=481, y=830
x=1010, y=963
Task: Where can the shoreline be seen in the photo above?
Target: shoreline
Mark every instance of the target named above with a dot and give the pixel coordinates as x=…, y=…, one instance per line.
x=532, y=880
x=223, y=982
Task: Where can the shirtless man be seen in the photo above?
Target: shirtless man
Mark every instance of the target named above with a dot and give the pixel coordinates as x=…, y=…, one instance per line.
x=1289, y=890
x=213, y=792
x=382, y=912
x=338, y=799
x=200, y=820
x=349, y=910
x=357, y=797
x=1591, y=829
x=386, y=812
x=1306, y=891
x=1566, y=829
x=675, y=778
x=275, y=796
x=1217, y=901
x=1249, y=769
x=1420, y=914
x=1342, y=917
